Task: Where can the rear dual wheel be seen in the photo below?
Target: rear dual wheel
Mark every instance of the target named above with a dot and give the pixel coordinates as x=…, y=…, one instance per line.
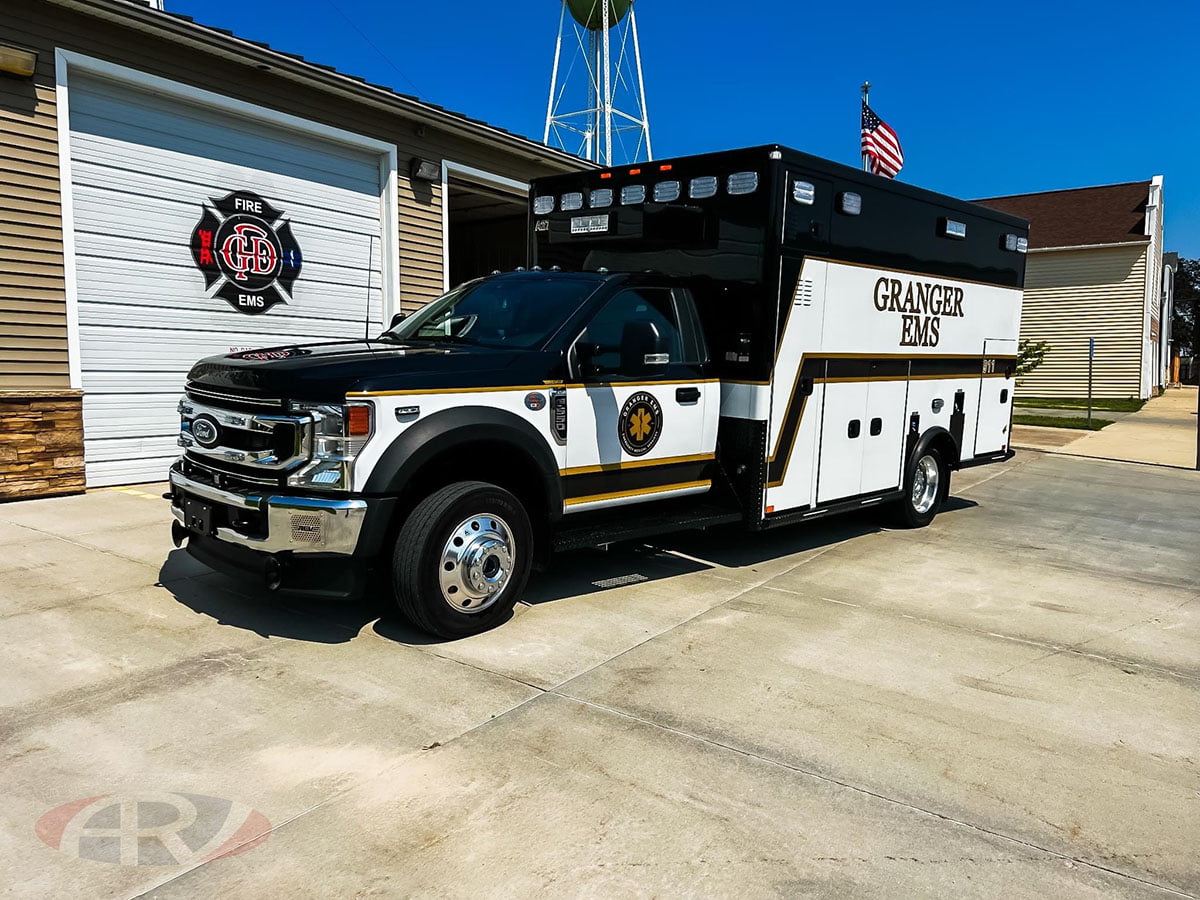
x=462, y=559
x=926, y=486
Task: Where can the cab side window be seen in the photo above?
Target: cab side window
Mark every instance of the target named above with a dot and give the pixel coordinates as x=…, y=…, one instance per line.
x=656, y=306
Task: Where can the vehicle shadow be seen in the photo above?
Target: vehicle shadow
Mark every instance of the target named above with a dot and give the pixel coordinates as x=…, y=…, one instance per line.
x=241, y=603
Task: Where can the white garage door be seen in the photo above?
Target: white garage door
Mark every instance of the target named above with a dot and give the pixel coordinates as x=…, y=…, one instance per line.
x=197, y=231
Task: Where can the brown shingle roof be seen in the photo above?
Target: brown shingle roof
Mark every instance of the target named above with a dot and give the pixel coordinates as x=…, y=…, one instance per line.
x=1108, y=214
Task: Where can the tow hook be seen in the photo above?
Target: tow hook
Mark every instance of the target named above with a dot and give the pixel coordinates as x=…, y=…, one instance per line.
x=179, y=534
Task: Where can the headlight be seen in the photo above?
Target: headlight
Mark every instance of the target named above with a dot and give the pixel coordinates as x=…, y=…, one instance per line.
x=339, y=432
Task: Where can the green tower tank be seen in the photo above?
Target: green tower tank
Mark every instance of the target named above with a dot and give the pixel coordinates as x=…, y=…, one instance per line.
x=590, y=13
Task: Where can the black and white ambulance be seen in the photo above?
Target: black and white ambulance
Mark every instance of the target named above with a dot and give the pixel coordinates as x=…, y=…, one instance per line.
x=756, y=336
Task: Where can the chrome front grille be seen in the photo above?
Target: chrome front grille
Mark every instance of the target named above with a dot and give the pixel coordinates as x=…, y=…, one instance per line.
x=238, y=437
x=232, y=400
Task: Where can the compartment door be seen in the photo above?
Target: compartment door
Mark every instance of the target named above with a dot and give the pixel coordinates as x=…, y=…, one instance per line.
x=883, y=436
x=843, y=436
x=995, y=396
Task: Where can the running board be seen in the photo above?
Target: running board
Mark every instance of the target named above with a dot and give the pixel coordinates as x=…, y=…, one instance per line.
x=634, y=525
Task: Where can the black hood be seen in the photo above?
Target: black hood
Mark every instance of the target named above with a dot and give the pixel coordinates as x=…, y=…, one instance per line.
x=328, y=371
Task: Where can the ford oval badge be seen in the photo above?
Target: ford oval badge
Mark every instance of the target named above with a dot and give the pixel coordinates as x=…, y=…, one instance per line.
x=205, y=431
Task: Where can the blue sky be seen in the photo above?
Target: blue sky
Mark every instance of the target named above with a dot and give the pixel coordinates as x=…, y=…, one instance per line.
x=987, y=98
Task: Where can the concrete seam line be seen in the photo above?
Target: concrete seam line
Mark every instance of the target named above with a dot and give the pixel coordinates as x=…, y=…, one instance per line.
x=702, y=612
x=75, y=543
x=335, y=797
x=866, y=791
x=1053, y=649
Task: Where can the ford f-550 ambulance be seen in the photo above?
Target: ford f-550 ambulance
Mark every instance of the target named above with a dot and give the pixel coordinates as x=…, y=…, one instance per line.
x=756, y=336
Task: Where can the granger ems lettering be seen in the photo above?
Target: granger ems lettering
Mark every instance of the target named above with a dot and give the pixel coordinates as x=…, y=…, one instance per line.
x=921, y=304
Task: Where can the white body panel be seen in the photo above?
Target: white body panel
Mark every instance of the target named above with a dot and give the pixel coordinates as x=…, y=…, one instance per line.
x=938, y=346
x=142, y=165
x=688, y=429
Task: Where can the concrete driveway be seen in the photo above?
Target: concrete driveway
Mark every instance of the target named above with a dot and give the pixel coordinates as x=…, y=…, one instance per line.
x=1003, y=704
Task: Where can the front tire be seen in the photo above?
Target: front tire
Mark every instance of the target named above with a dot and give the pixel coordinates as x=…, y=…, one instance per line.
x=462, y=559
x=926, y=486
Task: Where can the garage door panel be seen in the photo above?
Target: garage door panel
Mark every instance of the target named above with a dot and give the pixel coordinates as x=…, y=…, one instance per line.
x=162, y=351
x=105, y=258
x=174, y=222
x=144, y=166
x=344, y=209
x=139, y=469
x=121, y=114
x=107, y=416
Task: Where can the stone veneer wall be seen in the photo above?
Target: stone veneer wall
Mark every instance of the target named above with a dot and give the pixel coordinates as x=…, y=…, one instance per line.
x=41, y=443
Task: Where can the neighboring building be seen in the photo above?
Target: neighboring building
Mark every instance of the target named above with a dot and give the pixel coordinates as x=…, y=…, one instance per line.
x=1094, y=271
x=169, y=191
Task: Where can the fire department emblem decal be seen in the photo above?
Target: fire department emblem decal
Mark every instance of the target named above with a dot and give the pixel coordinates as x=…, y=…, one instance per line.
x=640, y=424
x=244, y=245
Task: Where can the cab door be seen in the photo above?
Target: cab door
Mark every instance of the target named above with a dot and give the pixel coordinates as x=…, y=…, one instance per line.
x=642, y=417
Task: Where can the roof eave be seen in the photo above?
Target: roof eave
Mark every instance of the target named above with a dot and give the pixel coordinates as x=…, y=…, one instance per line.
x=1137, y=243
x=146, y=19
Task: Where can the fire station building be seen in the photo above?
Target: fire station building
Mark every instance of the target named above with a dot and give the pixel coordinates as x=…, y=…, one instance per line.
x=169, y=191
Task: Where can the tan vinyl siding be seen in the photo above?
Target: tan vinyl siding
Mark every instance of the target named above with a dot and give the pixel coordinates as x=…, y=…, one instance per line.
x=33, y=319
x=29, y=186
x=1074, y=295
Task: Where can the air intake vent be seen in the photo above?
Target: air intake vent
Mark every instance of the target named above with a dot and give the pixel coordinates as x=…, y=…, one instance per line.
x=306, y=528
x=804, y=293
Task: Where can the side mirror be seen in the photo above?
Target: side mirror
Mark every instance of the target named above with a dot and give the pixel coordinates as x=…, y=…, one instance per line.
x=397, y=319
x=642, y=348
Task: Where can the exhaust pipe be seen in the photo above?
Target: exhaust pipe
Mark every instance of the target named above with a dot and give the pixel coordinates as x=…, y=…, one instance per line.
x=273, y=574
x=179, y=534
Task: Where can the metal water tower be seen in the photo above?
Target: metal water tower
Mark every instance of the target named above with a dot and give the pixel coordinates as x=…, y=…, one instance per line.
x=597, y=105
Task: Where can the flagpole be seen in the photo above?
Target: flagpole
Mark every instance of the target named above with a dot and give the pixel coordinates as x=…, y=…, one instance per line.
x=866, y=91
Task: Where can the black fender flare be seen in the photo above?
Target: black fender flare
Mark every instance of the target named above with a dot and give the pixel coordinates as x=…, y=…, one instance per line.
x=450, y=429
x=937, y=433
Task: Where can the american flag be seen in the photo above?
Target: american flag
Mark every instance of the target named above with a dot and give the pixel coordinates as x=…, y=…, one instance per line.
x=880, y=146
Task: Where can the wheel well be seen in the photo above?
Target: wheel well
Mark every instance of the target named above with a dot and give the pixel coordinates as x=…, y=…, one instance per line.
x=944, y=444
x=496, y=462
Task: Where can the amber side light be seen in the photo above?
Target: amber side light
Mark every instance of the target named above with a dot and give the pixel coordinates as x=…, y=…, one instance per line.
x=606, y=174
x=359, y=421
x=635, y=171
x=665, y=168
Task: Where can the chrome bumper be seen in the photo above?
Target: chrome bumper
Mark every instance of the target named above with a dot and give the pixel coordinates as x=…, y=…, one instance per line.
x=299, y=524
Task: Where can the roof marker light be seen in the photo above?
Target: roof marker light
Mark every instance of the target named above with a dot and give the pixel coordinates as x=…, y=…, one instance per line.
x=953, y=229
x=849, y=203
x=804, y=192
x=666, y=191
x=606, y=174
x=633, y=193
x=635, y=171
x=704, y=186
x=666, y=167
x=742, y=183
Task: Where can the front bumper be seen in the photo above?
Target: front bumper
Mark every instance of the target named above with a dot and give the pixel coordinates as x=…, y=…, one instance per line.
x=282, y=523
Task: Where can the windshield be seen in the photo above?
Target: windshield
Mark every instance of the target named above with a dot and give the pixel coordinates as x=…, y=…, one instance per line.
x=521, y=313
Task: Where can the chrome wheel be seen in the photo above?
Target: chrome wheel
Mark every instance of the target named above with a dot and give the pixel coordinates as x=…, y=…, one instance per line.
x=476, y=563
x=927, y=481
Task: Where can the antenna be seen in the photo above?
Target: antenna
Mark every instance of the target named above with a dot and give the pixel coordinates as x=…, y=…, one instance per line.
x=597, y=103
x=370, y=265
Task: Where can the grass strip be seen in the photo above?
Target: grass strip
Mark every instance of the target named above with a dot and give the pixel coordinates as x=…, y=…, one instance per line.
x=1113, y=405
x=1061, y=421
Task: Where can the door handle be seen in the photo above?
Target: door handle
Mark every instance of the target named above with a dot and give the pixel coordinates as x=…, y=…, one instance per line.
x=687, y=394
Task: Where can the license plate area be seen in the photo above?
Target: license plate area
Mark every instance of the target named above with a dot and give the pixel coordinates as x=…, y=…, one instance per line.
x=197, y=515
